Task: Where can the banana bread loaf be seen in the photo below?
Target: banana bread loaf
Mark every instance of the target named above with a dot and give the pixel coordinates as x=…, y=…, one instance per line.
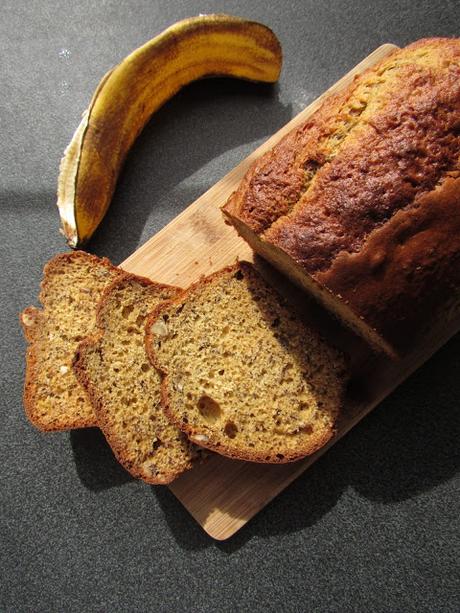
x=360, y=205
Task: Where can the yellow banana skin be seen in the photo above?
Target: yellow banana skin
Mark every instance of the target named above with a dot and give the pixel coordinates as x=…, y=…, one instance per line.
x=128, y=95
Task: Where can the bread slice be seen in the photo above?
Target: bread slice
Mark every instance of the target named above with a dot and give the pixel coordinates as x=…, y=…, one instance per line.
x=242, y=375
x=125, y=388
x=71, y=288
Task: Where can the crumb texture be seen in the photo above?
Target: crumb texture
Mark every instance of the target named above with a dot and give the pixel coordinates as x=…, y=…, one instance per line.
x=244, y=376
x=125, y=388
x=72, y=286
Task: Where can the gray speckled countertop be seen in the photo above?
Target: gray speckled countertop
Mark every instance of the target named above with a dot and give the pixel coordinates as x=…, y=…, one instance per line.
x=374, y=525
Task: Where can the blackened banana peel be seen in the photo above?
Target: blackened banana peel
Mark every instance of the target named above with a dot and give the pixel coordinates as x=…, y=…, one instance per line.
x=128, y=95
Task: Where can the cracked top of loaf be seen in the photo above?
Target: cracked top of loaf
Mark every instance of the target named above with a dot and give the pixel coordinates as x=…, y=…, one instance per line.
x=349, y=194
x=367, y=153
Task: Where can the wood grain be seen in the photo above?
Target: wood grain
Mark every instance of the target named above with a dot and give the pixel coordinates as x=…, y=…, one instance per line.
x=222, y=494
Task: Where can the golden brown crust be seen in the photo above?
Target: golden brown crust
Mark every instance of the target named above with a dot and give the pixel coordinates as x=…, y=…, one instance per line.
x=101, y=409
x=32, y=321
x=57, y=261
x=385, y=152
x=277, y=180
x=400, y=263
x=211, y=442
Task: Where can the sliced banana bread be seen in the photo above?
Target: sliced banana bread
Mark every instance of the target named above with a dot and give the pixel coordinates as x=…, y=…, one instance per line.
x=242, y=375
x=71, y=288
x=125, y=388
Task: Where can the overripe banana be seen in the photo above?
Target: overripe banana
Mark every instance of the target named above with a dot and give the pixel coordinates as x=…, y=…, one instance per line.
x=127, y=96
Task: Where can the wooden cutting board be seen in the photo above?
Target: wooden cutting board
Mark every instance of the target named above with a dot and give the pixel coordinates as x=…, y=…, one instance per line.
x=222, y=494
